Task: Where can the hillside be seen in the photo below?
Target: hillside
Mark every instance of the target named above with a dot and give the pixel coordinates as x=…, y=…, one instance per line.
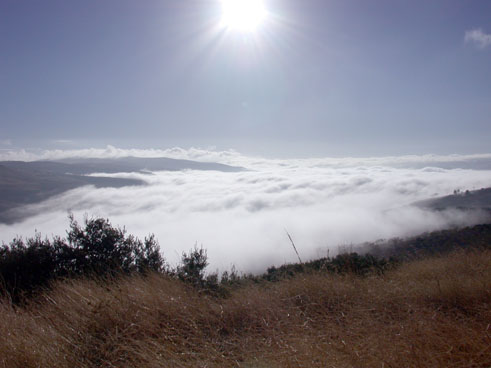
x=467, y=200
x=429, y=313
x=433, y=311
x=23, y=183
x=427, y=244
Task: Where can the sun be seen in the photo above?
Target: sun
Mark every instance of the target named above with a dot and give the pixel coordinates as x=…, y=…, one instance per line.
x=243, y=15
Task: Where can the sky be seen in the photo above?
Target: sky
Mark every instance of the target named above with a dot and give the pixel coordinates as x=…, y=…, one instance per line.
x=344, y=113
x=315, y=78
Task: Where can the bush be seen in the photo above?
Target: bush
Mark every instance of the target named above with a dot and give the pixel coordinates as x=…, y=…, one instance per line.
x=24, y=267
x=359, y=264
x=98, y=249
x=193, y=265
x=102, y=248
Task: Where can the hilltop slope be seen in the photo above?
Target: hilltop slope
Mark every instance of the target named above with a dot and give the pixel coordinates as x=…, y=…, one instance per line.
x=428, y=313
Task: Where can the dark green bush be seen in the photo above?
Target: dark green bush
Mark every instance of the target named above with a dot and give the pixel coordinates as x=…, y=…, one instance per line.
x=24, y=267
x=193, y=265
x=96, y=249
x=102, y=248
x=358, y=264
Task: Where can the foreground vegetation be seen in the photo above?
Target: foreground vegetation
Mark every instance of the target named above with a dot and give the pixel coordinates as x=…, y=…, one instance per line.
x=348, y=311
x=427, y=313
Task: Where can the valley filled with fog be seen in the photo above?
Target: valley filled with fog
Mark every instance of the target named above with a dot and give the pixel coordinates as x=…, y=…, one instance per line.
x=241, y=217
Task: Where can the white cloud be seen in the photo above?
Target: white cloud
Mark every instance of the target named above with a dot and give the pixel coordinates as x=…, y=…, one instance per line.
x=240, y=217
x=478, y=37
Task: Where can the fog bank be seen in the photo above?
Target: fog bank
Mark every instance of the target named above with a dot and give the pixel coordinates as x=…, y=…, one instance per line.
x=241, y=217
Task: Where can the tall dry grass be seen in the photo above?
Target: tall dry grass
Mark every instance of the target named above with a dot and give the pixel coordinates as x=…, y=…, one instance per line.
x=428, y=313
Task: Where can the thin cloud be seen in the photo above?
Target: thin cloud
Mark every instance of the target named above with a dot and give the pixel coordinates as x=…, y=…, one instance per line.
x=478, y=38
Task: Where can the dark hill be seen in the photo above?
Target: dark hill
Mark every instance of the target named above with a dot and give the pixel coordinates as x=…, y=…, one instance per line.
x=462, y=200
x=23, y=183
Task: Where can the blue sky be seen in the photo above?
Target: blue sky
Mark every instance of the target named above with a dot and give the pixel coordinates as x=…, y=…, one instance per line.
x=318, y=77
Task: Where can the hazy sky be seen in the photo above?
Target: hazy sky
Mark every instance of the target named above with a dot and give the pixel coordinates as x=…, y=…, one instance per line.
x=324, y=77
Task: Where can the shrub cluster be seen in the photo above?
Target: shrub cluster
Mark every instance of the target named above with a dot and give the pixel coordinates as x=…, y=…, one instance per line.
x=352, y=263
x=99, y=249
x=96, y=249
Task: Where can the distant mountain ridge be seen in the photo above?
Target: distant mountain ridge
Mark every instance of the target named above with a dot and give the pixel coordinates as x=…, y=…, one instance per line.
x=23, y=183
x=84, y=166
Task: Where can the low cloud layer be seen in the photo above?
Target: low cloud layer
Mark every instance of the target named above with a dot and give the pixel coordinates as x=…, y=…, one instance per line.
x=478, y=37
x=241, y=218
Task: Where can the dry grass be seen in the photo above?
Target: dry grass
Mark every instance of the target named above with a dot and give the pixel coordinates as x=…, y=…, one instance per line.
x=429, y=313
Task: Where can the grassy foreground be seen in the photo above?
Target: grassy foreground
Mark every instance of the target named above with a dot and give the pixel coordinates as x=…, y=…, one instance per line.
x=434, y=312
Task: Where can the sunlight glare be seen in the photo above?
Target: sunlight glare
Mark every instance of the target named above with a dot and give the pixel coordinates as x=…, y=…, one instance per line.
x=243, y=15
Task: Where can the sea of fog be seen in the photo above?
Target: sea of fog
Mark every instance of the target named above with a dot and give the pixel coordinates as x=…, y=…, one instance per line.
x=241, y=218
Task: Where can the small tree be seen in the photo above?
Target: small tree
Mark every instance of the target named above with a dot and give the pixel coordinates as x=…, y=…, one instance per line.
x=149, y=257
x=99, y=247
x=95, y=249
x=193, y=265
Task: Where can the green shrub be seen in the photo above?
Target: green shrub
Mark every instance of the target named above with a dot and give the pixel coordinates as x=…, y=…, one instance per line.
x=26, y=266
x=101, y=248
x=97, y=249
x=193, y=265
